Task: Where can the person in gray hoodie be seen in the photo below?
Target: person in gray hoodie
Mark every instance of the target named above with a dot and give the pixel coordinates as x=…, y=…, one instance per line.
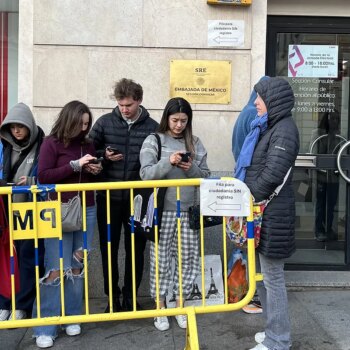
x=183, y=156
x=21, y=139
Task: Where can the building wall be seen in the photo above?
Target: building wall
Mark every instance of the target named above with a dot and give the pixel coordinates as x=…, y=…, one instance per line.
x=77, y=50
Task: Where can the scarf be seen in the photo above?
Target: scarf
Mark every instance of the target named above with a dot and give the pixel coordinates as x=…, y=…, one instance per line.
x=257, y=126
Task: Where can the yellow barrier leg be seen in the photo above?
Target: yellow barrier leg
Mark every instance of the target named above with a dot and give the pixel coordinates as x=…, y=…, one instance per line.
x=191, y=331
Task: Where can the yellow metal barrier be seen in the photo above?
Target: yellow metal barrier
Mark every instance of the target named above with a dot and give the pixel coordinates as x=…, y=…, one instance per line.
x=46, y=223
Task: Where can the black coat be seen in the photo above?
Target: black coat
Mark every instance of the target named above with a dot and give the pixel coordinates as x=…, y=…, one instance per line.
x=112, y=130
x=274, y=154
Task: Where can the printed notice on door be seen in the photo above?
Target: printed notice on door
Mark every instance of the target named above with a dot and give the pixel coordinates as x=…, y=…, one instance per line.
x=313, y=61
x=201, y=81
x=224, y=197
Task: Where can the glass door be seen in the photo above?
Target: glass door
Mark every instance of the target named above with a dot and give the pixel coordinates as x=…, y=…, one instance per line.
x=313, y=54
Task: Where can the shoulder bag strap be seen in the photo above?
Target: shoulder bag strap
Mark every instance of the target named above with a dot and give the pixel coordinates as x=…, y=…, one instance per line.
x=159, y=145
x=278, y=188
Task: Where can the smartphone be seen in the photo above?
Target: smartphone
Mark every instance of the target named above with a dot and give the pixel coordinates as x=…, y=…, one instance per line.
x=114, y=150
x=95, y=161
x=185, y=156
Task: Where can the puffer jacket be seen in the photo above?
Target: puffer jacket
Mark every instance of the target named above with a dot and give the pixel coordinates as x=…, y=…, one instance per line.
x=112, y=130
x=274, y=154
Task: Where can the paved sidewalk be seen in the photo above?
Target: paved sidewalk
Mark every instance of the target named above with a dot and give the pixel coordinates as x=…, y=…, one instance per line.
x=320, y=320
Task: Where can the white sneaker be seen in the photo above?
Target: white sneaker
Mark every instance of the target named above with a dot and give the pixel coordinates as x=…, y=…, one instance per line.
x=73, y=329
x=4, y=314
x=161, y=323
x=44, y=341
x=181, y=321
x=259, y=337
x=20, y=315
x=260, y=347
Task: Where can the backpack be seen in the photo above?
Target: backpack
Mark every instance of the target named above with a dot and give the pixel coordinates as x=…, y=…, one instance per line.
x=146, y=217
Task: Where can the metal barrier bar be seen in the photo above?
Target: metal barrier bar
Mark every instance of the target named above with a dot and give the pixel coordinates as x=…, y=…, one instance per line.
x=133, y=267
x=192, y=335
x=109, y=252
x=156, y=243
x=179, y=244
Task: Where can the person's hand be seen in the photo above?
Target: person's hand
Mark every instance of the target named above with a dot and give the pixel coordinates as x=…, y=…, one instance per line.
x=85, y=160
x=176, y=160
x=185, y=165
x=110, y=155
x=94, y=169
x=22, y=181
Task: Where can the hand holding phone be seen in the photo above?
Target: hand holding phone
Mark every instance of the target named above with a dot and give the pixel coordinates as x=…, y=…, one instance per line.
x=114, y=150
x=185, y=156
x=95, y=160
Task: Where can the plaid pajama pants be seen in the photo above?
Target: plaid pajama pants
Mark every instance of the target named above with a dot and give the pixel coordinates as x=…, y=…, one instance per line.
x=167, y=249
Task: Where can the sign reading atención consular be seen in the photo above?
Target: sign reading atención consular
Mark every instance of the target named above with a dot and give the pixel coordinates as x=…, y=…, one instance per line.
x=201, y=81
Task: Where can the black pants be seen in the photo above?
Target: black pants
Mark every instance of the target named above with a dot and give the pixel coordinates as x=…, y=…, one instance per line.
x=26, y=263
x=119, y=214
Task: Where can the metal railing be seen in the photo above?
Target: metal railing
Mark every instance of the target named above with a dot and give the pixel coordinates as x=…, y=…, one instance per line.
x=42, y=219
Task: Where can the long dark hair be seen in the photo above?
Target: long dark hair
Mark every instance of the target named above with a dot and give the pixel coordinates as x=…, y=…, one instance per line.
x=178, y=105
x=69, y=122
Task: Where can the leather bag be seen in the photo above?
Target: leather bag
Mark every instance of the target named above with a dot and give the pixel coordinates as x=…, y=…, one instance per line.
x=72, y=215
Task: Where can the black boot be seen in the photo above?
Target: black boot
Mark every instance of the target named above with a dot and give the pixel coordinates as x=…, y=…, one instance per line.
x=127, y=305
x=116, y=306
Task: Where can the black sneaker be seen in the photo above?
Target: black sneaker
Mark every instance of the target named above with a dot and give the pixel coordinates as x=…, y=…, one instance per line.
x=116, y=307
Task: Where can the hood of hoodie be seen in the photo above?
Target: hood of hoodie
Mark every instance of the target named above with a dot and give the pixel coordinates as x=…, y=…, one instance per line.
x=254, y=94
x=278, y=97
x=20, y=114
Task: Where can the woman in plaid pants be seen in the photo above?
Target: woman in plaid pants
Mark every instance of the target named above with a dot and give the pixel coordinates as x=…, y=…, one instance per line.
x=182, y=156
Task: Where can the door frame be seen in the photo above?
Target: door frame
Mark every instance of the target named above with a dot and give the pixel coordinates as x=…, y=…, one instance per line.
x=318, y=25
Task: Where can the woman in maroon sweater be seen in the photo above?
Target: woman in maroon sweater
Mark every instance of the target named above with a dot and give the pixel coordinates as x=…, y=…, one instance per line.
x=64, y=158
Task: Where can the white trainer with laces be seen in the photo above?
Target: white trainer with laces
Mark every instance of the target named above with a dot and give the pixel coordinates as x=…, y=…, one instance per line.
x=19, y=314
x=260, y=347
x=44, y=341
x=181, y=321
x=161, y=323
x=4, y=314
x=73, y=329
x=259, y=337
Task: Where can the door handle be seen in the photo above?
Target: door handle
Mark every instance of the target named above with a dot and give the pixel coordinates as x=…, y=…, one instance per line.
x=341, y=172
x=305, y=161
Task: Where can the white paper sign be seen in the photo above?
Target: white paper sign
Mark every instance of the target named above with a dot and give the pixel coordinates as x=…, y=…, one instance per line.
x=229, y=197
x=313, y=61
x=226, y=33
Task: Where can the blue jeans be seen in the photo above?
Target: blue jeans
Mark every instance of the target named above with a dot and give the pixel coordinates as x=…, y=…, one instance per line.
x=273, y=297
x=50, y=291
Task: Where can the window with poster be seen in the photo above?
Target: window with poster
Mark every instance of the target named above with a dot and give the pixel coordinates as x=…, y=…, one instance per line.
x=313, y=54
